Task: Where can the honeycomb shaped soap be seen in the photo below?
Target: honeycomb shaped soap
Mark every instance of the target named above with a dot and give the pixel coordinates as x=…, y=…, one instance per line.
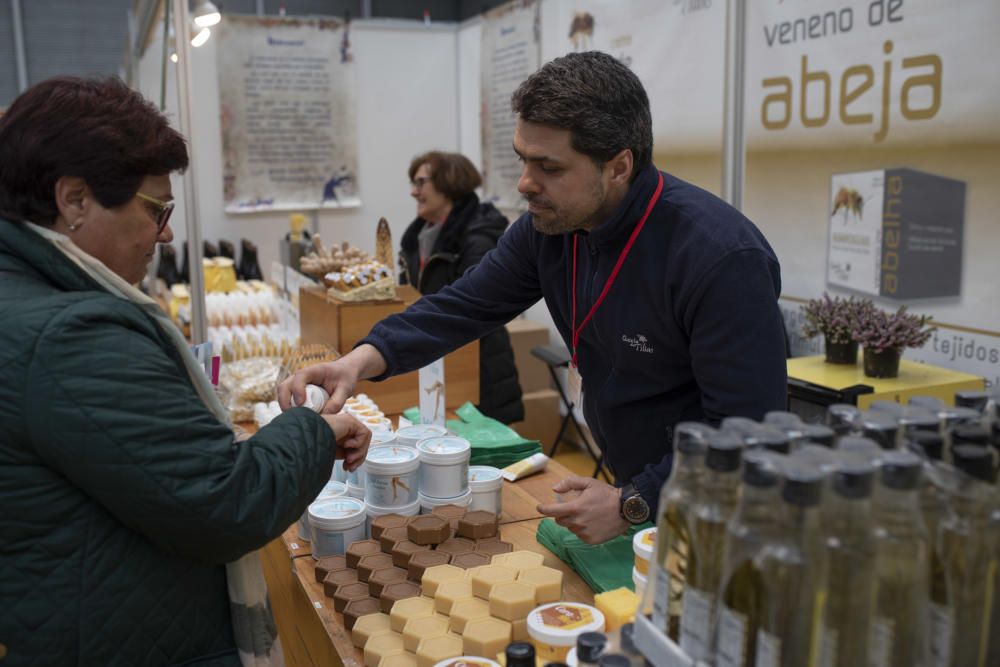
x=519, y=630
x=380, y=646
x=422, y=560
x=435, y=576
x=467, y=610
x=618, y=607
x=380, y=578
x=428, y=529
x=367, y=627
x=519, y=560
x=355, y=609
x=486, y=577
x=404, y=659
x=402, y=552
x=380, y=523
x=336, y=579
x=469, y=560
x=422, y=627
x=478, y=524
x=393, y=593
x=456, y=545
x=547, y=582
x=433, y=650
x=486, y=636
x=325, y=566
x=390, y=537
x=359, y=549
x=450, y=512
x=408, y=608
x=347, y=592
x=512, y=601
x=449, y=592
x=369, y=564
x=492, y=546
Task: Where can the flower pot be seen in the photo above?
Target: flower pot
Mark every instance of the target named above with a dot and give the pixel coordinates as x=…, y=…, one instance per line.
x=841, y=353
x=884, y=364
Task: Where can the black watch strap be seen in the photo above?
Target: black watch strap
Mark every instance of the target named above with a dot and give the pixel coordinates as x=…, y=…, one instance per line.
x=633, y=507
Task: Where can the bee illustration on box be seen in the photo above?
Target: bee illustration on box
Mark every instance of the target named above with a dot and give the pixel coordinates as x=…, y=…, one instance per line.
x=850, y=200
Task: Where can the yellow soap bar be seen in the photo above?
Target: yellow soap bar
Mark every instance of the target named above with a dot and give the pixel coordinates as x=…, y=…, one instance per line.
x=368, y=626
x=434, y=576
x=618, y=606
x=547, y=582
x=450, y=592
x=464, y=611
x=486, y=636
x=519, y=630
x=485, y=577
x=519, y=560
x=403, y=659
x=417, y=629
x=383, y=645
x=433, y=650
x=407, y=608
x=512, y=601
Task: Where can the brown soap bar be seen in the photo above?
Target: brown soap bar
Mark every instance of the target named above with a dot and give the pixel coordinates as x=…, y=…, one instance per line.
x=479, y=524
x=336, y=579
x=402, y=552
x=451, y=512
x=470, y=560
x=381, y=578
x=392, y=593
x=381, y=523
x=422, y=560
x=390, y=537
x=371, y=563
x=491, y=546
x=358, y=550
x=325, y=566
x=428, y=529
x=457, y=545
x=357, y=608
x=347, y=592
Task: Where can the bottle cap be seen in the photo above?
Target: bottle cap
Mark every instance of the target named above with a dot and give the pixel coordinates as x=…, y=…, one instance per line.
x=891, y=408
x=803, y=484
x=770, y=439
x=821, y=435
x=760, y=469
x=880, y=427
x=929, y=402
x=783, y=419
x=958, y=415
x=919, y=419
x=614, y=660
x=927, y=444
x=741, y=426
x=842, y=417
x=972, y=399
x=854, y=480
x=900, y=470
x=975, y=461
x=863, y=449
x=627, y=638
x=690, y=437
x=724, y=452
x=590, y=645
x=970, y=434
x=520, y=654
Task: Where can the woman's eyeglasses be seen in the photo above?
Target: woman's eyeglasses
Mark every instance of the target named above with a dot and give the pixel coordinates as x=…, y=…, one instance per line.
x=161, y=209
x=420, y=181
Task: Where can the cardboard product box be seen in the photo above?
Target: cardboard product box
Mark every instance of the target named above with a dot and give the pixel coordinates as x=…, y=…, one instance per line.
x=541, y=417
x=532, y=372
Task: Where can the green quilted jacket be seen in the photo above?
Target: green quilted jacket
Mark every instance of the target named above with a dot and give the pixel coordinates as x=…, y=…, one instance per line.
x=121, y=496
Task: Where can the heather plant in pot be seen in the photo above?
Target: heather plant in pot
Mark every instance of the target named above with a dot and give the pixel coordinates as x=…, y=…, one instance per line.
x=884, y=335
x=835, y=318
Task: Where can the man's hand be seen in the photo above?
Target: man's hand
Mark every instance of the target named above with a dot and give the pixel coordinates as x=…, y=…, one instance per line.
x=593, y=515
x=338, y=378
x=352, y=437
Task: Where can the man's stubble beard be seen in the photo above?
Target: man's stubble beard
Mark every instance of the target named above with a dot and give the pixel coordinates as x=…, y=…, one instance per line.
x=559, y=225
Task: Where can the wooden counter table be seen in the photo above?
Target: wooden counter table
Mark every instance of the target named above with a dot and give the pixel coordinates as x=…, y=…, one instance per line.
x=313, y=634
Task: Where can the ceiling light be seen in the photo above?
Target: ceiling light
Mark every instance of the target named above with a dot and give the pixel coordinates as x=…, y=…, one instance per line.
x=206, y=14
x=201, y=37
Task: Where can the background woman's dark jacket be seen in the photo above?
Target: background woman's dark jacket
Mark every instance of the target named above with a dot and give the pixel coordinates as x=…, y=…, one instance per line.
x=471, y=230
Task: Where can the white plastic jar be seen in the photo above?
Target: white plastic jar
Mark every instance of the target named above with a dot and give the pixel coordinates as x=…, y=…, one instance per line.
x=639, y=580
x=428, y=504
x=444, y=466
x=643, y=546
x=468, y=661
x=411, y=435
x=392, y=473
x=336, y=524
x=375, y=511
x=554, y=628
x=486, y=484
x=333, y=489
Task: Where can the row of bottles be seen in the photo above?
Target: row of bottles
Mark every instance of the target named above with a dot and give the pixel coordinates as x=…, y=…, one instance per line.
x=248, y=267
x=873, y=539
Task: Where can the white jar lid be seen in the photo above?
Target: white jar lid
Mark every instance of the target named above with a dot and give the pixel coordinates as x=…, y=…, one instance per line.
x=444, y=450
x=467, y=661
x=417, y=432
x=428, y=502
x=638, y=578
x=412, y=509
x=485, y=478
x=337, y=513
x=391, y=460
x=382, y=438
x=333, y=489
x=644, y=543
x=559, y=623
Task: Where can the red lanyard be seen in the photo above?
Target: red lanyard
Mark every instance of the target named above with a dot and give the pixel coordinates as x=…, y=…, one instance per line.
x=614, y=272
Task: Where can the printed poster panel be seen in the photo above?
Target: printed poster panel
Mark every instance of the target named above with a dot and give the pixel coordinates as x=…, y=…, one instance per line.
x=287, y=107
x=855, y=244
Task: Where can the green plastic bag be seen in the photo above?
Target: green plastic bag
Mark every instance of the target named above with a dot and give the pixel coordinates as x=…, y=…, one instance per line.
x=604, y=567
x=493, y=444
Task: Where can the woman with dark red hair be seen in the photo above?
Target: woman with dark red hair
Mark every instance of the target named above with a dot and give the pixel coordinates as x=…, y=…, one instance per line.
x=130, y=516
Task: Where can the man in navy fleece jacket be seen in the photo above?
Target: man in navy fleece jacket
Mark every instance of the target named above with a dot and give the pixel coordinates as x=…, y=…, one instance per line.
x=689, y=328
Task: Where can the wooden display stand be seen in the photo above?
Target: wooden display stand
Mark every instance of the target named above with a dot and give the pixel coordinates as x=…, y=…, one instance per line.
x=342, y=324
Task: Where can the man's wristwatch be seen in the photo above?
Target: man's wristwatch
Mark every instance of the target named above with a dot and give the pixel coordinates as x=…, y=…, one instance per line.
x=633, y=507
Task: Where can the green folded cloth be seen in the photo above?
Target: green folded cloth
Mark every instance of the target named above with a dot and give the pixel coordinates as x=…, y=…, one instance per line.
x=604, y=567
x=493, y=444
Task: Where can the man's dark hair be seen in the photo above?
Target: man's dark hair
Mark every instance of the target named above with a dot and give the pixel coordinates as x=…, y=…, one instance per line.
x=99, y=130
x=452, y=174
x=599, y=100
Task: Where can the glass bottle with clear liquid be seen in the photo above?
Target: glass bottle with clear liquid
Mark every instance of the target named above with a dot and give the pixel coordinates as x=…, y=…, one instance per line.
x=714, y=505
x=794, y=575
x=754, y=524
x=900, y=627
x=690, y=439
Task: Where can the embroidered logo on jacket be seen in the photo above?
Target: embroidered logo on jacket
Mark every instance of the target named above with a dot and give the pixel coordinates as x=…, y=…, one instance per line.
x=639, y=343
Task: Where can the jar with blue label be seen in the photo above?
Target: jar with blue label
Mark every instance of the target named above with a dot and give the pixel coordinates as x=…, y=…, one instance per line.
x=392, y=476
x=333, y=489
x=336, y=524
x=409, y=436
x=444, y=466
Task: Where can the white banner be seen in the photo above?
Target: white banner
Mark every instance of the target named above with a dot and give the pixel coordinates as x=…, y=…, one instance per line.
x=286, y=91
